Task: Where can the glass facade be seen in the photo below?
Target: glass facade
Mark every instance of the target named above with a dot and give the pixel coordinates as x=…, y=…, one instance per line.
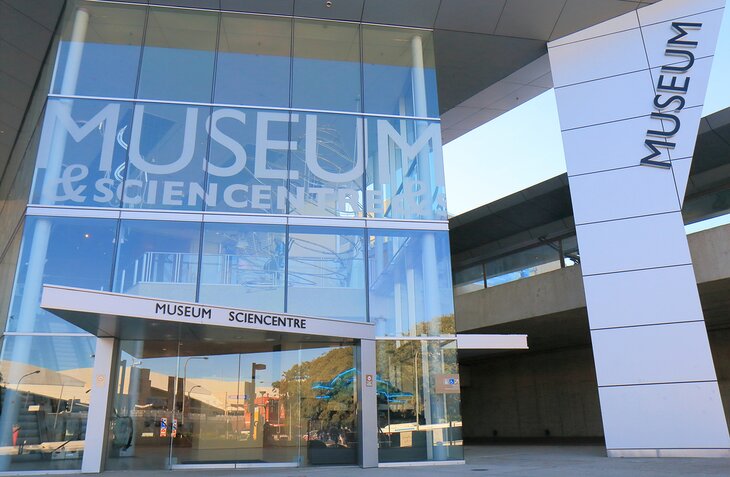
x=268, y=163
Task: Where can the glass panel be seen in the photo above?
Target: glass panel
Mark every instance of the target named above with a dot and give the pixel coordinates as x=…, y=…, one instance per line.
x=405, y=169
x=142, y=417
x=469, y=279
x=326, y=66
x=268, y=433
x=45, y=401
x=99, y=51
x=326, y=272
x=59, y=251
x=399, y=72
x=167, y=148
x=243, y=266
x=328, y=414
x=248, y=161
x=158, y=259
x=410, y=283
x=327, y=165
x=179, y=55
x=82, y=153
x=418, y=401
x=524, y=264
x=210, y=427
x=254, y=63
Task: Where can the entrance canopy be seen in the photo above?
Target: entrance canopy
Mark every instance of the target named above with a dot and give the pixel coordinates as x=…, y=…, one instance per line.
x=129, y=317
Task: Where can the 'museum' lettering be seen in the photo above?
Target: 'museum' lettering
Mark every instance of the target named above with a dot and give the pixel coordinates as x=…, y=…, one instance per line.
x=670, y=87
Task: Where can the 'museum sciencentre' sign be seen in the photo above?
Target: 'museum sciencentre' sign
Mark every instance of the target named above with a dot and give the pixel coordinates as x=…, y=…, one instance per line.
x=671, y=88
x=100, y=313
x=168, y=171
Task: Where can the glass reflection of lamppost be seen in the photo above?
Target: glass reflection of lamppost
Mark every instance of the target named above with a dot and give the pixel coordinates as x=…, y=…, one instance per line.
x=184, y=383
x=191, y=391
x=37, y=371
x=254, y=367
x=17, y=385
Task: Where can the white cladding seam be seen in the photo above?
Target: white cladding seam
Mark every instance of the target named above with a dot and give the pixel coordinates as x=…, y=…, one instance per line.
x=657, y=383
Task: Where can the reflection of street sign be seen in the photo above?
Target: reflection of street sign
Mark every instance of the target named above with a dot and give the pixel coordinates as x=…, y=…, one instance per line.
x=447, y=383
x=174, y=428
x=239, y=397
x=369, y=380
x=163, y=427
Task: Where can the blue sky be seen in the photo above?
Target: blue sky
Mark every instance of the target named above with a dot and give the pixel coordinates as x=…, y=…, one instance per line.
x=500, y=157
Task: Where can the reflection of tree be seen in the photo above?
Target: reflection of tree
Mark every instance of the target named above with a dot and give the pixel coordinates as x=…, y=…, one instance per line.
x=304, y=382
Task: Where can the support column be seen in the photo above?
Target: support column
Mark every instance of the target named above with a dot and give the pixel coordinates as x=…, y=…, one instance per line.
x=621, y=88
x=102, y=393
x=368, y=408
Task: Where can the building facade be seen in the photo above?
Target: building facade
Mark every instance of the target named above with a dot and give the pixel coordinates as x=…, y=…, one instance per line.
x=287, y=169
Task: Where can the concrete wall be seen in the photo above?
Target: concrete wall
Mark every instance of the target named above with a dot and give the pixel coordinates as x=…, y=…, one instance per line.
x=520, y=396
x=525, y=395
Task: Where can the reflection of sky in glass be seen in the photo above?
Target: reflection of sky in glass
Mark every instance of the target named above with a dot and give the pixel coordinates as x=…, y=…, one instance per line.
x=106, y=70
x=79, y=255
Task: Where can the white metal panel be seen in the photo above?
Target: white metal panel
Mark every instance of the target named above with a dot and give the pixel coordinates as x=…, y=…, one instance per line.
x=626, y=21
x=633, y=244
x=647, y=191
x=676, y=9
x=661, y=295
x=664, y=416
x=579, y=65
x=676, y=352
x=604, y=100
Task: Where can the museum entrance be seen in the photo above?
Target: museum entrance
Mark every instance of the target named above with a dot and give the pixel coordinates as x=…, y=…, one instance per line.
x=233, y=404
x=186, y=385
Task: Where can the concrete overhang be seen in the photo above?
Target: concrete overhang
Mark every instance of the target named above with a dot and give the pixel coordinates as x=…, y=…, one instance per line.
x=489, y=53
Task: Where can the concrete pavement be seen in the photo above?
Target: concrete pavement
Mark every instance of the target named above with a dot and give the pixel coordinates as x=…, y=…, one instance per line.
x=495, y=460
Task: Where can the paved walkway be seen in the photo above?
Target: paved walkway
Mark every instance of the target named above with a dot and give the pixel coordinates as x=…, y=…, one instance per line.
x=500, y=460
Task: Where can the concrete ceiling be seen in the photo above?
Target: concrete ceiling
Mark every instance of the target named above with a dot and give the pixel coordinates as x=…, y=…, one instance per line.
x=489, y=52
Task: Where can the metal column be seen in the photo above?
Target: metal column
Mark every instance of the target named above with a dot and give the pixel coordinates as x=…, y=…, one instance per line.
x=368, y=408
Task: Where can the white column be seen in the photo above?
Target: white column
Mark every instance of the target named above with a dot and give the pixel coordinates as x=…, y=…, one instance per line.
x=102, y=393
x=657, y=383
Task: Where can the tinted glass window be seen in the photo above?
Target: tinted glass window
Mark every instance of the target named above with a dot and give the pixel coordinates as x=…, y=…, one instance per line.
x=326, y=273
x=326, y=66
x=410, y=283
x=167, y=148
x=327, y=165
x=399, y=72
x=249, y=153
x=99, y=51
x=243, y=266
x=158, y=259
x=405, y=171
x=254, y=63
x=59, y=251
x=179, y=55
x=82, y=152
x=46, y=383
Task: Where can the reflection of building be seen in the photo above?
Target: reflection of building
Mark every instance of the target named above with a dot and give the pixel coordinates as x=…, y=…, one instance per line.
x=212, y=209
